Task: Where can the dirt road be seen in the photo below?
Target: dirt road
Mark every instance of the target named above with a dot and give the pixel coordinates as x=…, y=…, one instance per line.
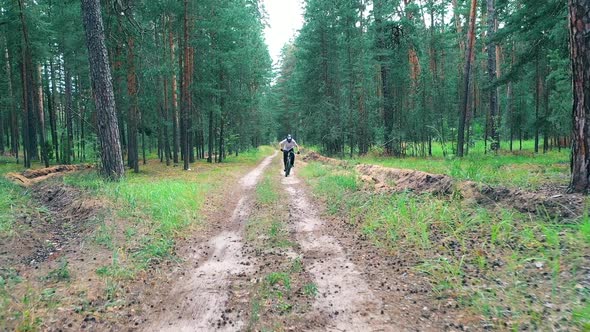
x=353, y=294
x=201, y=298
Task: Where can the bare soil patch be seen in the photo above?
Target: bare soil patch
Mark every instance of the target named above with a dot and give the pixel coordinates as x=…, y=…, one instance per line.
x=64, y=216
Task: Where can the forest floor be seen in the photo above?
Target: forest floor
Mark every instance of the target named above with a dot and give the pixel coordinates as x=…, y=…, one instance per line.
x=335, y=246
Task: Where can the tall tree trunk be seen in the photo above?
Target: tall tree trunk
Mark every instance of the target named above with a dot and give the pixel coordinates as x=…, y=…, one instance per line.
x=69, y=143
x=51, y=108
x=104, y=99
x=132, y=116
x=175, y=117
x=211, y=139
x=494, y=118
x=165, y=112
x=2, y=133
x=466, y=73
x=26, y=116
x=221, y=115
x=184, y=91
x=26, y=88
x=12, y=108
x=538, y=88
x=510, y=99
x=579, y=26
x=41, y=118
x=546, y=115
x=383, y=62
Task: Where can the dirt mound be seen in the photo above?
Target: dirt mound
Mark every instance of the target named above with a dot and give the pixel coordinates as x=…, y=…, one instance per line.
x=32, y=176
x=549, y=203
x=65, y=202
x=64, y=218
x=314, y=156
x=405, y=180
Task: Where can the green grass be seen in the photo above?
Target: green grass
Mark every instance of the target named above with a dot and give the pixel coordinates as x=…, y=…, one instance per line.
x=265, y=227
x=517, y=169
x=265, y=192
x=12, y=200
x=160, y=204
x=145, y=214
x=61, y=273
x=479, y=257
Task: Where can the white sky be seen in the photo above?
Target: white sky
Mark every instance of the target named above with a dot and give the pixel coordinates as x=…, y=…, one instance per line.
x=285, y=17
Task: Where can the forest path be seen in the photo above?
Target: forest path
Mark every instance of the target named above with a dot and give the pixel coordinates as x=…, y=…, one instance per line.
x=359, y=288
x=344, y=296
x=198, y=302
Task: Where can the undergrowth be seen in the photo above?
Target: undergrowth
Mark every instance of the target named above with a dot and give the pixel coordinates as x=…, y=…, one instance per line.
x=515, y=270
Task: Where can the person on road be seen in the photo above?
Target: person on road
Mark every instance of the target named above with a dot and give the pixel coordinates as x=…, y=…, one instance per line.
x=287, y=145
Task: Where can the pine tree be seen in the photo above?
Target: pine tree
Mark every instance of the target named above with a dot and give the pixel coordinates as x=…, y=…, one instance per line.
x=104, y=99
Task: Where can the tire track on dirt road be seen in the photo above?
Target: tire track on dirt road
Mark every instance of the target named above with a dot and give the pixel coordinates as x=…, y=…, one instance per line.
x=201, y=297
x=344, y=296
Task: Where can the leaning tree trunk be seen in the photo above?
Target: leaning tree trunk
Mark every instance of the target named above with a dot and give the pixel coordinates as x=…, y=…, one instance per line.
x=579, y=25
x=100, y=74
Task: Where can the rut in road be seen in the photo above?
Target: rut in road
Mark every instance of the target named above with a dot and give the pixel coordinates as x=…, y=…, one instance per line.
x=343, y=294
x=201, y=298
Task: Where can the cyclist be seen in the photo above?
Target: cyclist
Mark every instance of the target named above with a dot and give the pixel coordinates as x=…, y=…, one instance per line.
x=286, y=146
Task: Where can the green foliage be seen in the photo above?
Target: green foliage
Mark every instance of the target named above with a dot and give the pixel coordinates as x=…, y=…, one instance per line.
x=265, y=193
x=61, y=273
x=11, y=201
x=334, y=81
x=310, y=290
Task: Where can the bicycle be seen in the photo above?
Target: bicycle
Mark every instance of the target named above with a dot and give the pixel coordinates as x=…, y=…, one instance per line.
x=289, y=165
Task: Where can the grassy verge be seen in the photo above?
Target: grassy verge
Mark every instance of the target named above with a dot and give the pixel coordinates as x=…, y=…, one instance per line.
x=13, y=200
x=284, y=290
x=159, y=205
x=520, y=168
x=514, y=270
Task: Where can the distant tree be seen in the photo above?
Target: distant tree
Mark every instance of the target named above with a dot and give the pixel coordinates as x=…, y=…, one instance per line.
x=492, y=57
x=104, y=99
x=466, y=86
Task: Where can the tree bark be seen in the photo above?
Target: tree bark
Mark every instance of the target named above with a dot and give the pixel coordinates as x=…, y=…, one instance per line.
x=69, y=143
x=185, y=91
x=492, y=48
x=383, y=59
x=175, y=120
x=467, y=74
x=41, y=118
x=579, y=26
x=210, y=145
x=100, y=74
x=11, y=108
x=51, y=109
x=132, y=116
